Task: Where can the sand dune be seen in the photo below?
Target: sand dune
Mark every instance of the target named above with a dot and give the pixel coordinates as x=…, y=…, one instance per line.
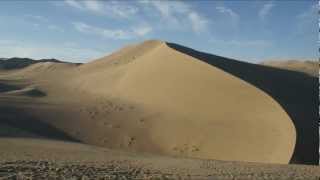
x=159, y=98
x=309, y=67
x=296, y=92
x=18, y=63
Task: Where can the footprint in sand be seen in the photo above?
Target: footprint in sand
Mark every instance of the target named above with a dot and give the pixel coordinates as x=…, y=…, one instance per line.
x=186, y=148
x=195, y=149
x=104, y=141
x=142, y=120
x=130, y=141
x=109, y=126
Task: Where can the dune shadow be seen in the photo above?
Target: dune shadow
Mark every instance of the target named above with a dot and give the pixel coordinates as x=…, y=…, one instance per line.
x=20, y=119
x=296, y=92
x=30, y=92
x=34, y=93
x=4, y=87
x=17, y=88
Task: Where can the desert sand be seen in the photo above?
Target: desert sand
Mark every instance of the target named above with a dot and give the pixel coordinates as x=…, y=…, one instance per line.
x=161, y=104
x=44, y=159
x=308, y=67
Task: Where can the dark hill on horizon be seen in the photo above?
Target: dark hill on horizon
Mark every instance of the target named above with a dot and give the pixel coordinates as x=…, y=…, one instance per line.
x=17, y=62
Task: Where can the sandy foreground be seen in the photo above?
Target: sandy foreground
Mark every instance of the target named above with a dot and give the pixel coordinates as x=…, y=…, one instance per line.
x=157, y=110
x=45, y=159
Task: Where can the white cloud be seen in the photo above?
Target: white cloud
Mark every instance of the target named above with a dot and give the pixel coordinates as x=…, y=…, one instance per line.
x=177, y=14
x=265, y=10
x=164, y=8
x=120, y=9
x=114, y=9
x=234, y=16
x=107, y=33
x=142, y=30
x=112, y=33
x=198, y=23
x=93, y=5
x=174, y=14
x=74, y=3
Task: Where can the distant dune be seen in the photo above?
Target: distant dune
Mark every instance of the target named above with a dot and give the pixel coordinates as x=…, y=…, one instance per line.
x=309, y=67
x=17, y=63
x=163, y=98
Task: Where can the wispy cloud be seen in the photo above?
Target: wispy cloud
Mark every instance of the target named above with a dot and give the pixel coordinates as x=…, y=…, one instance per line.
x=114, y=9
x=179, y=14
x=41, y=22
x=121, y=9
x=36, y=18
x=93, y=5
x=265, y=10
x=113, y=33
x=175, y=14
x=170, y=8
x=142, y=30
x=229, y=12
x=107, y=33
x=55, y=28
x=198, y=23
x=74, y=3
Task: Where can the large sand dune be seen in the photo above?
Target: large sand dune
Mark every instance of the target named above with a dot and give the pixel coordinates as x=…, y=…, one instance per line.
x=296, y=92
x=160, y=98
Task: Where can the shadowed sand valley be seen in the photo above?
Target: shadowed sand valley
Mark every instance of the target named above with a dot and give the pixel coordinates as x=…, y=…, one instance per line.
x=163, y=104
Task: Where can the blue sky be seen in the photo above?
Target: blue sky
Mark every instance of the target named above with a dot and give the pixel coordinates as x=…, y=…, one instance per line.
x=83, y=30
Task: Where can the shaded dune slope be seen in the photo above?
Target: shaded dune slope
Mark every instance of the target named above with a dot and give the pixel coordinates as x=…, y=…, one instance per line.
x=16, y=117
x=17, y=120
x=296, y=92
